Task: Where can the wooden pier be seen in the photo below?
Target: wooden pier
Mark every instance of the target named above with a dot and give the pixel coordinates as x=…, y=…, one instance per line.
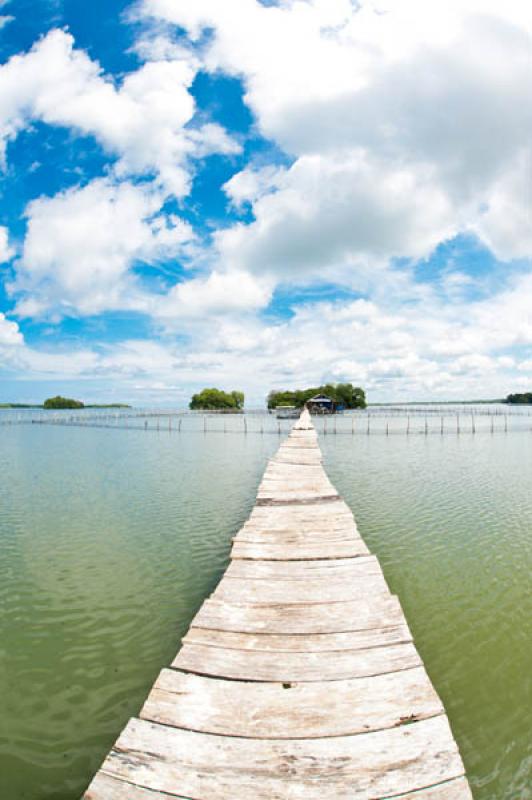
x=298, y=677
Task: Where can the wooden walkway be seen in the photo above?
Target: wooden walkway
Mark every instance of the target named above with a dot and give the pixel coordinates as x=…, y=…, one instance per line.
x=298, y=677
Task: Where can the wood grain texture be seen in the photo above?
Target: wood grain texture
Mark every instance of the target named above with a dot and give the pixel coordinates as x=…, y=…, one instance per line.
x=338, y=508
x=297, y=457
x=253, y=665
x=373, y=765
x=312, y=591
x=457, y=789
x=309, y=643
x=291, y=710
x=297, y=533
x=376, y=612
x=347, y=568
x=298, y=551
x=108, y=787
x=291, y=537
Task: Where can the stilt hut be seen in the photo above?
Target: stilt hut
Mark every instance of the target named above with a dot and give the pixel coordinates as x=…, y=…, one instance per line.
x=321, y=404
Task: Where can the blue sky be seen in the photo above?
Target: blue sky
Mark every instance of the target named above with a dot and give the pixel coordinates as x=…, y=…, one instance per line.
x=264, y=195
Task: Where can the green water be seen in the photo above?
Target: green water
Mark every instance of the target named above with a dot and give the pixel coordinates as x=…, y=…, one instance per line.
x=110, y=540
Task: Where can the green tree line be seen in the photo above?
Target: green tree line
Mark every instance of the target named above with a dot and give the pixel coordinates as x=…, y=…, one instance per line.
x=216, y=399
x=525, y=397
x=341, y=393
x=62, y=402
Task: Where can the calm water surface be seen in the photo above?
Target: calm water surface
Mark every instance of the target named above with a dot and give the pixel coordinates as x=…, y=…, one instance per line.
x=111, y=539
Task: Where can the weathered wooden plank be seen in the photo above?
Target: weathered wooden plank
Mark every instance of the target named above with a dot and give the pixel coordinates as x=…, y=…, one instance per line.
x=308, y=485
x=308, y=516
x=294, y=537
x=270, y=498
x=108, y=787
x=294, y=444
x=376, y=612
x=291, y=482
x=457, y=789
x=340, y=528
x=311, y=591
x=310, y=643
x=252, y=665
x=297, y=457
x=302, y=534
x=287, y=472
x=372, y=765
x=291, y=710
x=291, y=519
x=342, y=525
x=312, y=513
x=313, y=453
x=299, y=550
x=343, y=568
x=275, y=467
x=291, y=536
x=275, y=471
x=338, y=507
x=304, y=423
x=311, y=495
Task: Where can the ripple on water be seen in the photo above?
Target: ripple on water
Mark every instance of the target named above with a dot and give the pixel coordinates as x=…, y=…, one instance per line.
x=110, y=540
x=109, y=543
x=451, y=521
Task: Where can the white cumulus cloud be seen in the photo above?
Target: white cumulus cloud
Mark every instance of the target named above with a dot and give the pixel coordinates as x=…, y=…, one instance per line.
x=408, y=121
x=81, y=245
x=6, y=252
x=9, y=332
x=142, y=119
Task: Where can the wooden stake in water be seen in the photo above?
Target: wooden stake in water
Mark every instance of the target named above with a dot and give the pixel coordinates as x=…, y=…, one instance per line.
x=441, y=426
x=407, y=425
x=426, y=426
x=473, y=429
x=245, y=425
x=368, y=428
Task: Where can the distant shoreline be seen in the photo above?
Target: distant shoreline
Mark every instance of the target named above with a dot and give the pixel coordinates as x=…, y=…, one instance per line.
x=36, y=405
x=441, y=403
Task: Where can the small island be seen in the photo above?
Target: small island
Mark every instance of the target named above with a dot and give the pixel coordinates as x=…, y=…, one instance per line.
x=217, y=400
x=62, y=402
x=59, y=402
x=343, y=395
x=519, y=399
